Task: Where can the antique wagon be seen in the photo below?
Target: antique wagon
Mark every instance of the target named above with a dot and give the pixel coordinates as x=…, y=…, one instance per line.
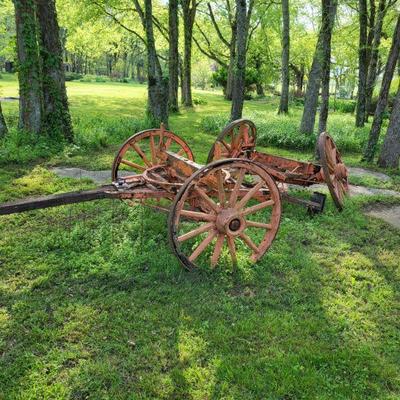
x=231, y=205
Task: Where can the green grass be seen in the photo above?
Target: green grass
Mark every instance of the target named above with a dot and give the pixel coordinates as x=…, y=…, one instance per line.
x=94, y=305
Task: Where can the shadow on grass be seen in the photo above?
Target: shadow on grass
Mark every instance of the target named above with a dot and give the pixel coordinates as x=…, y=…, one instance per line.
x=94, y=305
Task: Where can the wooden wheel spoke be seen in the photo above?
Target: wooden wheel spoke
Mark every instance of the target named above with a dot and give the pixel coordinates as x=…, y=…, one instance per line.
x=236, y=188
x=249, y=242
x=195, y=232
x=255, y=224
x=217, y=250
x=198, y=216
x=221, y=189
x=207, y=199
x=249, y=195
x=138, y=150
x=226, y=145
x=232, y=249
x=168, y=143
x=181, y=152
x=133, y=165
x=203, y=245
x=153, y=150
x=257, y=207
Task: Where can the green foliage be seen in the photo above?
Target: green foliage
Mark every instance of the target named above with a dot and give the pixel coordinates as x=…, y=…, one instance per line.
x=22, y=147
x=72, y=76
x=282, y=131
x=343, y=106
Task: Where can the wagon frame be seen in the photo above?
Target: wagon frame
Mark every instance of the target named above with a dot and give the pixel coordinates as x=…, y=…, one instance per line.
x=213, y=207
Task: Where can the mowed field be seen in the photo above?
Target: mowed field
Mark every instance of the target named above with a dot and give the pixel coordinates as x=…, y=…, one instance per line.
x=94, y=305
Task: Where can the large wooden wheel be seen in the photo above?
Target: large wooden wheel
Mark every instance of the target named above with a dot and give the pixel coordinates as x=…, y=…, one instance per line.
x=227, y=210
x=237, y=140
x=334, y=171
x=146, y=149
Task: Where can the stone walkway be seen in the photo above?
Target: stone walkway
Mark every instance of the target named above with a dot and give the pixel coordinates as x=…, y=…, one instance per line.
x=388, y=214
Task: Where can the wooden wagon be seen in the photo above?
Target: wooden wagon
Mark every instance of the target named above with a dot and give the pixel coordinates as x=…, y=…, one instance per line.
x=231, y=205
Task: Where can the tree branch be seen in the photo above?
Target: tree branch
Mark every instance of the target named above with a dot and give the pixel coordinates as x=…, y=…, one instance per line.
x=216, y=26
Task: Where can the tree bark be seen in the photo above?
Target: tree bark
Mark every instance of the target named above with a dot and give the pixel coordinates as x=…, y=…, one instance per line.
x=393, y=56
x=284, y=101
x=374, y=56
x=56, y=116
x=157, y=85
x=242, y=17
x=325, y=78
x=362, y=63
x=30, y=102
x=3, y=125
x=189, y=13
x=231, y=67
x=173, y=55
x=390, y=153
x=314, y=79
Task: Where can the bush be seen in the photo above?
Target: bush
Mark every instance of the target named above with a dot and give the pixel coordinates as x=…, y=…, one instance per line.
x=342, y=105
x=72, y=76
x=22, y=147
x=95, y=133
x=282, y=131
x=199, y=101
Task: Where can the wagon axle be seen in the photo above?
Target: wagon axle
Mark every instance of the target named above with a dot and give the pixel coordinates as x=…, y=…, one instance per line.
x=230, y=205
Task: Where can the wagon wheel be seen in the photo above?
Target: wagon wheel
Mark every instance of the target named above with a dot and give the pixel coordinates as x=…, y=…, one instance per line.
x=145, y=149
x=334, y=171
x=238, y=139
x=239, y=214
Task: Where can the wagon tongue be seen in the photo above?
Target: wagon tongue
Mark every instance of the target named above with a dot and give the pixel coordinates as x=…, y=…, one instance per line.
x=57, y=200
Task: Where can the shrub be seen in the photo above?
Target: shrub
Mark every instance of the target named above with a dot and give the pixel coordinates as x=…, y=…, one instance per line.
x=282, y=131
x=72, y=76
x=199, y=101
x=22, y=147
x=342, y=105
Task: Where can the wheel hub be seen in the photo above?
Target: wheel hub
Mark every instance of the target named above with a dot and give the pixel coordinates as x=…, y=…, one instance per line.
x=230, y=222
x=340, y=171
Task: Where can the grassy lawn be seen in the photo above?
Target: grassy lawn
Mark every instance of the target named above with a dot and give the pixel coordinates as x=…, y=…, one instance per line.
x=93, y=304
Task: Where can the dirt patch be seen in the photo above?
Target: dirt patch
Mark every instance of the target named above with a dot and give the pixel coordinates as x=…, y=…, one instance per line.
x=362, y=172
x=389, y=213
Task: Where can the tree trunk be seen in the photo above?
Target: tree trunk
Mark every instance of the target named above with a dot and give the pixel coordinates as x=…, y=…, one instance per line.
x=56, y=116
x=374, y=56
x=173, y=66
x=30, y=102
x=3, y=125
x=231, y=67
x=362, y=63
x=284, y=101
x=157, y=86
x=325, y=78
x=189, y=13
x=370, y=150
x=314, y=80
x=390, y=153
x=240, y=61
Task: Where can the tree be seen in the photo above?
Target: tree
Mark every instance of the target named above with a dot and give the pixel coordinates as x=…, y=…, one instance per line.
x=362, y=62
x=393, y=56
x=56, y=117
x=157, y=85
x=30, y=103
x=284, y=101
x=325, y=75
x=189, y=13
x=3, y=125
x=314, y=79
x=242, y=18
x=390, y=153
x=173, y=55
x=374, y=56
